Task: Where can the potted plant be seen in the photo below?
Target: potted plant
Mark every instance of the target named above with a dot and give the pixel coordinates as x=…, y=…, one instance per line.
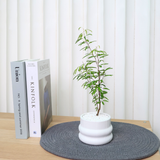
x=95, y=128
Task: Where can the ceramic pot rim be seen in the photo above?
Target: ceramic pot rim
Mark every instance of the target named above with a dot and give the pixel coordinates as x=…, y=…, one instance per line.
x=109, y=117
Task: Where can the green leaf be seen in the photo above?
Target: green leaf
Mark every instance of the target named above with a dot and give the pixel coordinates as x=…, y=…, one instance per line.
x=104, y=64
x=102, y=70
x=74, y=77
x=89, y=34
x=102, y=85
x=104, y=92
x=87, y=55
x=106, y=88
x=108, y=68
x=80, y=36
x=94, y=91
x=91, y=67
x=106, y=98
x=84, y=84
x=78, y=40
x=81, y=43
x=100, y=54
x=75, y=71
x=82, y=48
x=102, y=102
x=91, y=57
x=91, y=42
x=88, y=30
x=79, y=69
x=99, y=89
x=85, y=48
x=97, y=103
x=108, y=75
x=101, y=61
x=87, y=40
x=90, y=61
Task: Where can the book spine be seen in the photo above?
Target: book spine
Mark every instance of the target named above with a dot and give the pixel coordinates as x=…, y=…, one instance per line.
x=45, y=93
x=19, y=88
x=33, y=98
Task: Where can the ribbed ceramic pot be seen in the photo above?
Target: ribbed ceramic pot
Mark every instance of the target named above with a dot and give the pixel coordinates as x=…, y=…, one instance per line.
x=95, y=130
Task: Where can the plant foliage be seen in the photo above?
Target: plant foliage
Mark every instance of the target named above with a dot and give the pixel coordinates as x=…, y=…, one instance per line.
x=93, y=70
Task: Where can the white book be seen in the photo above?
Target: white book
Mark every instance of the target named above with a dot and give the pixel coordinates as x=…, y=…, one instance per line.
x=39, y=96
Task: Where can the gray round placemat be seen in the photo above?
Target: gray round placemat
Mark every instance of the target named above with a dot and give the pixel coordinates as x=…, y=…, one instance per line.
x=130, y=142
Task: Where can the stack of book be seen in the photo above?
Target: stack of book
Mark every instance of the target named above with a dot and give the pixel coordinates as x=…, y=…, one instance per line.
x=31, y=97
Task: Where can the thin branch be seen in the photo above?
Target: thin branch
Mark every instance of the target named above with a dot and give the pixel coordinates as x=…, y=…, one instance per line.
x=97, y=63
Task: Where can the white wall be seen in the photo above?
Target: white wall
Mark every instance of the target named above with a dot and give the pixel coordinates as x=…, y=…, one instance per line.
x=129, y=30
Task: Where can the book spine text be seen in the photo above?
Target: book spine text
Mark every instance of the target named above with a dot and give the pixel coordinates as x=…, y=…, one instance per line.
x=33, y=99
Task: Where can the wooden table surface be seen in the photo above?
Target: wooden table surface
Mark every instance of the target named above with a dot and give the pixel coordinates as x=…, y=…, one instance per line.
x=12, y=148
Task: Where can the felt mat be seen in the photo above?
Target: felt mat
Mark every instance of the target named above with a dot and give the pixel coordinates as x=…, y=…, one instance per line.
x=129, y=142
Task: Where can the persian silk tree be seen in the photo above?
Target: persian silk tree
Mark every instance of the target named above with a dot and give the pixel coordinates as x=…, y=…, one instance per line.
x=93, y=70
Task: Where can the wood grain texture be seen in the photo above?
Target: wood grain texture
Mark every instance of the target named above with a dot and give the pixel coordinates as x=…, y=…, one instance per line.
x=12, y=148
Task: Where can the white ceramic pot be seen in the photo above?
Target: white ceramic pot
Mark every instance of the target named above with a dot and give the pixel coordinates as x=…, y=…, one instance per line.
x=95, y=130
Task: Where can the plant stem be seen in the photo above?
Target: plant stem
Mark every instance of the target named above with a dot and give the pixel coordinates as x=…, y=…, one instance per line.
x=97, y=63
x=91, y=51
x=99, y=90
x=99, y=106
